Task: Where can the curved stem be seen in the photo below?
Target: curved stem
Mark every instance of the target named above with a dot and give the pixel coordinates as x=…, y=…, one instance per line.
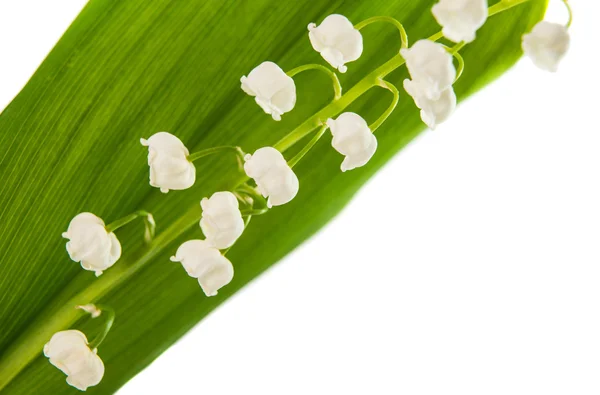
x=461, y=62
x=566, y=2
x=251, y=212
x=337, y=87
x=392, y=88
x=31, y=341
x=98, y=311
x=292, y=162
x=149, y=224
x=215, y=150
x=253, y=194
x=388, y=19
x=461, y=65
x=246, y=222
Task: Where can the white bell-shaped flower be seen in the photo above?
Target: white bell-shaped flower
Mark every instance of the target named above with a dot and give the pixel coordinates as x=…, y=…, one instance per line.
x=169, y=164
x=336, y=40
x=433, y=112
x=430, y=64
x=90, y=244
x=460, y=19
x=546, y=45
x=274, y=178
x=221, y=221
x=206, y=263
x=273, y=90
x=352, y=138
x=69, y=352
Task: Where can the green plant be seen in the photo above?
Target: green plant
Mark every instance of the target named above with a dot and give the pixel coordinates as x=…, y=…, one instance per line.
x=128, y=69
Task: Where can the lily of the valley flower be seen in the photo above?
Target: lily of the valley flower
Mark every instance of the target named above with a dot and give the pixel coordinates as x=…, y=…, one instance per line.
x=221, y=221
x=69, y=352
x=336, y=40
x=546, y=45
x=273, y=90
x=460, y=19
x=274, y=178
x=352, y=138
x=206, y=263
x=430, y=64
x=169, y=164
x=90, y=244
x=433, y=112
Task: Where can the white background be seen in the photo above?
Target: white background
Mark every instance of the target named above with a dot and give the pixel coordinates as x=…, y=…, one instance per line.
x=477, y=270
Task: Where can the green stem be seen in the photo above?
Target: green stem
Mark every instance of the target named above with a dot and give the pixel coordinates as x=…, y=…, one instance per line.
x=251, y=212
x=246, y=222
x=387, y=19
x=461, y=65
x=149, y=224
x=392, y=88
x=215, y=150
x=292, y=162
x=253, y=194
x=109, y=312
x=337, y=87
x=461, y=62
x=570, y=21
x=31, y=342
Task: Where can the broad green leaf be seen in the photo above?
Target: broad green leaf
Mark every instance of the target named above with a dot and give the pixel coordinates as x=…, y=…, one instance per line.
x=127, y=69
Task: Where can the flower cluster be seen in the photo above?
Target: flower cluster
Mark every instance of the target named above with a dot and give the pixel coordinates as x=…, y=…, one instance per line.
x=432, y=72
x=269, y=177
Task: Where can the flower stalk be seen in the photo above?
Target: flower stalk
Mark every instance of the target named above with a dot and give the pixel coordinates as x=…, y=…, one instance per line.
x=337, y=87
x=386, y=19
x=149, y=224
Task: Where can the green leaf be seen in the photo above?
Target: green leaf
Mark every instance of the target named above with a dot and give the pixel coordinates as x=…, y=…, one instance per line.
x=127, y=69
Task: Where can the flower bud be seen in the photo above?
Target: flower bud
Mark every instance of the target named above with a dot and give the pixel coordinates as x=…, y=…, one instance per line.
x=460, y=19
x=273, y=90
x=204, y=262
x=221, y=221
x=430, y=64
x=69, y=352
x=352, y=138
x=546, y=45
x=336, y=40
x=169, y=164
x=433, y=112
x=274, y=178
x=90, y=244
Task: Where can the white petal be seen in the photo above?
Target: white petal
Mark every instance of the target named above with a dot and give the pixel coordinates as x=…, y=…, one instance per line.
x=430, y=64
x=90, y=244
x=336, y=40
x=204, y=262
x=460, y=19
x=169, y=164
x=353, y=139
x=273, y=176
x=221, y=222
x=546, y=45
x=68, y=351
x=273, y=89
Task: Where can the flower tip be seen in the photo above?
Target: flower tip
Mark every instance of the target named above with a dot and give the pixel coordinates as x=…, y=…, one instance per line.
x=342, y=68
x=65, y=235
x=144, y=142
x=247, y=157
x=164, y=190
x=174, y=259
x=276, y=116
x=311, y=26
x=98, y=273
